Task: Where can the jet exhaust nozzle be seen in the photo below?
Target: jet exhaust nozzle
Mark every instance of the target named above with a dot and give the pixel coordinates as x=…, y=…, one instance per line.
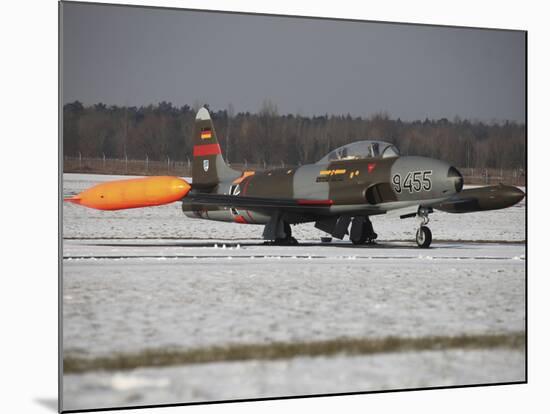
x=133, y=193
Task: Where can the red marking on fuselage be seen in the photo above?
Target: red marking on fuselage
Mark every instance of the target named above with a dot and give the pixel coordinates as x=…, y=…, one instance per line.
x=240, y=219
x=306, y=202
x=209, y=149
x=371, y=167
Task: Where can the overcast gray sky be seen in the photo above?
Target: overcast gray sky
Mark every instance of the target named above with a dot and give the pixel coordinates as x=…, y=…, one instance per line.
x=138, y=56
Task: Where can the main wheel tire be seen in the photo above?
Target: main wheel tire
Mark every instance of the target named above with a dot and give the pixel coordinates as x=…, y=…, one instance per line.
x=358, y=234
x=369, y=230
x=359, y=240
x=287, y=241
x=423, y=237
x=288, y=230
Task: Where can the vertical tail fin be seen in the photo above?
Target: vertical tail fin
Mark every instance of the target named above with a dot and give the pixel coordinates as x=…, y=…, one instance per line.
x=209, y=167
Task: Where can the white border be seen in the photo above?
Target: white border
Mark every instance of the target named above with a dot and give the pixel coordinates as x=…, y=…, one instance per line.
x=29, y=202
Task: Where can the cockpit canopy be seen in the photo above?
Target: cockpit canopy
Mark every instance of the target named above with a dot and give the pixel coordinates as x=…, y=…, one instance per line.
x=361, y=150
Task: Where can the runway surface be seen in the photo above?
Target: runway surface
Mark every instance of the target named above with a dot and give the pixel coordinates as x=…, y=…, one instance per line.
x=80, y=249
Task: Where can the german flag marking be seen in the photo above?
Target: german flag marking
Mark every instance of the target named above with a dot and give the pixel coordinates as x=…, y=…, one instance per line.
x=206, y=134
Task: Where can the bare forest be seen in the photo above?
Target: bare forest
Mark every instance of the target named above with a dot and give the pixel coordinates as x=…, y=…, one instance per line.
x=163, y=132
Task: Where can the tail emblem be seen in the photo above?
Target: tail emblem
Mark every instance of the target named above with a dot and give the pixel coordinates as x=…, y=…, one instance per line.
x=205, y=165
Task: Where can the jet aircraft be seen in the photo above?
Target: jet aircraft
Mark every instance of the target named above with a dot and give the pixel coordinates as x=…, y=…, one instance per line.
x=338, y=193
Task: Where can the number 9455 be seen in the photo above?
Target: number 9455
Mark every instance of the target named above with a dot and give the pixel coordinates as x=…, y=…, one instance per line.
x=414, y=181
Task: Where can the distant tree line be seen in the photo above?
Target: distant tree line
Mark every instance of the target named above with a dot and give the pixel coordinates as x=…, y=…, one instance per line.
x=163, y=131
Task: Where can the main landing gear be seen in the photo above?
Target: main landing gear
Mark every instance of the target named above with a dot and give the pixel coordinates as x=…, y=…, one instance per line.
x=361, y=231
x=277, y=231
x=288, y=240
x=424, y=234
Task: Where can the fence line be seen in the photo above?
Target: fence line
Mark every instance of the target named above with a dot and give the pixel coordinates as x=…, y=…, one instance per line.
x=147, y=166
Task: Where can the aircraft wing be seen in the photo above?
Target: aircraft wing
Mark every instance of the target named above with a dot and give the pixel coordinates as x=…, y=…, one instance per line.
x=264, y=203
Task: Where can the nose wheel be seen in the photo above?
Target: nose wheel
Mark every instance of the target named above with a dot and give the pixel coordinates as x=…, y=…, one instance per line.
x=424, y=237
x=424, y=234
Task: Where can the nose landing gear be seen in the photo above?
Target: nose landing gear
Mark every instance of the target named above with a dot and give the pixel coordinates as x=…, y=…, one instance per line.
x=424, y=234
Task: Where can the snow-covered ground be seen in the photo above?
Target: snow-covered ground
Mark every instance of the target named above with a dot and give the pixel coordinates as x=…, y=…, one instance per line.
x=151, y=279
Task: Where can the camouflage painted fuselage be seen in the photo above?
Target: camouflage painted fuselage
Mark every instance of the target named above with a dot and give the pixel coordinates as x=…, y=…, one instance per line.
x=360, y=186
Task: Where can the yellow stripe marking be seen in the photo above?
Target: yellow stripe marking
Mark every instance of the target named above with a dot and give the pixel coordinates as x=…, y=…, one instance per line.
x=332, y=172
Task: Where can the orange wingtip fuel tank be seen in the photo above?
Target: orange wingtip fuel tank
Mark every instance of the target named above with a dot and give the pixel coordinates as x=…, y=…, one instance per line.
x=133, y=193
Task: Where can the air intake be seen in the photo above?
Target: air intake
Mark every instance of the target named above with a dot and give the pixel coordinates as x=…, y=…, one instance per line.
x=455, y=175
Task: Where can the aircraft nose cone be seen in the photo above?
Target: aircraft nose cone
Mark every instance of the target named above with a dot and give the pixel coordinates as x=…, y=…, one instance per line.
x=456, y=179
